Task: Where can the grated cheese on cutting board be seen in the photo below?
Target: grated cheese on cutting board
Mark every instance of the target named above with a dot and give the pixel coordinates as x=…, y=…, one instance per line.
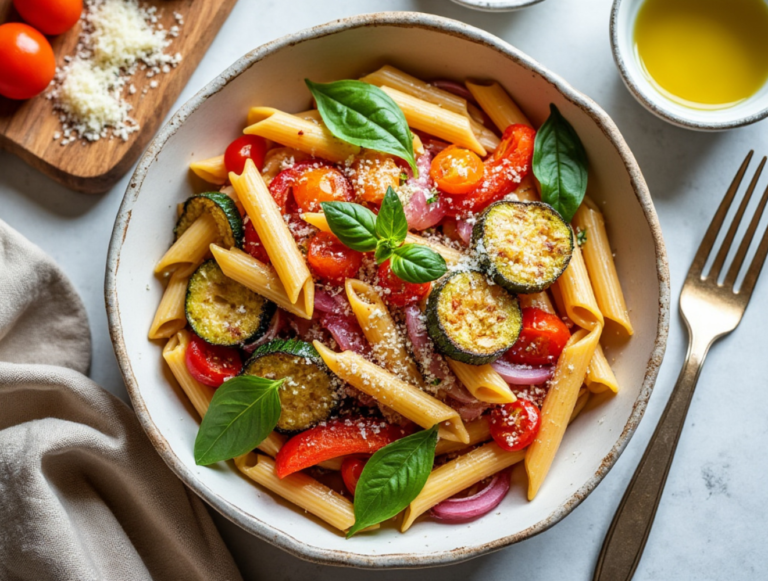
x=119, y=38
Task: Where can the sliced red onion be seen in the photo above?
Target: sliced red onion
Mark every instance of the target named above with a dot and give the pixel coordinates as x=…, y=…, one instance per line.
x=346, y=332
x=455, y=88
x=325, y=303
x=420, y=213
x=274, y=328
x=464, y=229
x=461, y=510
x=522, y=374
x=301, y=326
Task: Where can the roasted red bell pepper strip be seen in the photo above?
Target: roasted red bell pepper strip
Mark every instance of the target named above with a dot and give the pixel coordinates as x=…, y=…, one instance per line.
x=335, y=438
x=351, y=469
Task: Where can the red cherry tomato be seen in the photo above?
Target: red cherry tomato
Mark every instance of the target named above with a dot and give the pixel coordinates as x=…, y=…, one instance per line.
x=212, y=365
x=401, y=293
x=322, y=184
x=504, y=170
x=252, y=243
x=542, y=339
x=244, y=148
x=351, y=469
x=331, y=260
x=456, y=170
x=515, y=425
x=50, y=16
x=27, y=63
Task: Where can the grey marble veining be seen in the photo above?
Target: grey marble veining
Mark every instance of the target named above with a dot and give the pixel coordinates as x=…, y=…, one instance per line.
x=713, y=519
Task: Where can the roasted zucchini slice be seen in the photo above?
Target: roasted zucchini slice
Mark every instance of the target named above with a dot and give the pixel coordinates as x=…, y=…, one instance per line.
x=523, y=246
x=471, y=319
x=224, y=312
x=224, y=211
x=309, y=395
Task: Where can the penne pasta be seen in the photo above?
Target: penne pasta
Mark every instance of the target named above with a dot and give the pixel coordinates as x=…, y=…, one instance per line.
x=432, y=119
x=212, y=170
x=497, y=104
x=277, y=158
x=600, y=376
x=451, y=255
x=380, y=330
x=171, y=317
x=559, y=404
x=602, y=270
x=456, y=475
x=300, y=489
x=275, y=236
x=407, y=400
x=292, y=131
x=482, y=381
x=577, y=296
x=191, y=247
x=260, y=278
x=537, y=300
x=479, y=431
x=581, y=401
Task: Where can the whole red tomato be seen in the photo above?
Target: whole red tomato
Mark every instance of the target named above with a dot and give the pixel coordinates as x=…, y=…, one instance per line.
x=50, y=16
x=27, y=64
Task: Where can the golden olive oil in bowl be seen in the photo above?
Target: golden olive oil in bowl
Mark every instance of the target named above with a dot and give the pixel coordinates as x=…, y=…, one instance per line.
x=704, y=54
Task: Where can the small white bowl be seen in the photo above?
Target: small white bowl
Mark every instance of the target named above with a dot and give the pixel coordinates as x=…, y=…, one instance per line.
x=273, y=74
x=496, y=5
x=623, y=17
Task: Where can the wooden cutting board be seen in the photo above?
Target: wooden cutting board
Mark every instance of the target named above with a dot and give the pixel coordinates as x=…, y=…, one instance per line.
x=27, y=127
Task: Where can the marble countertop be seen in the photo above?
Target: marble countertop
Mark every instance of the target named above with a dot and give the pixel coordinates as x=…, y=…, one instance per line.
x=713, y=518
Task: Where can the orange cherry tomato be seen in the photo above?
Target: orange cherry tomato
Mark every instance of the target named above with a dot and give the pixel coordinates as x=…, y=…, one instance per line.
x=456, y=170
x=331, y=260
x=50, y=16
x=323, y=184
x=515, y=425
x=242, y=149
x=372, y=174
x=542, y=339
x=27, y=63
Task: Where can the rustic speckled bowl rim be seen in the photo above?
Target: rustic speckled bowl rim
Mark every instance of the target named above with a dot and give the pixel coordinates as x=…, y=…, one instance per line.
x=264, y=530
x=662, y=113
x=490, y=6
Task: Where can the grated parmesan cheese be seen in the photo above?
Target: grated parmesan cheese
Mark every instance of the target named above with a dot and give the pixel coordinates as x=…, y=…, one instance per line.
x=118, y=38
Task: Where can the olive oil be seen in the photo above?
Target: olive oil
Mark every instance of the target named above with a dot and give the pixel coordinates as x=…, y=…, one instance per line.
x=705, y=54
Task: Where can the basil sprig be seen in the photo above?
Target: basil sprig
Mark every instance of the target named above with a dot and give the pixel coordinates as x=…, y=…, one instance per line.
x=392, y=478
x=560, y=164
x=243, y=411
x=364, y=115
x=364, y=231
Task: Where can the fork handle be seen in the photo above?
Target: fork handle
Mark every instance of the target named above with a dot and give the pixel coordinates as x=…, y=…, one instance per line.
x=626, y=538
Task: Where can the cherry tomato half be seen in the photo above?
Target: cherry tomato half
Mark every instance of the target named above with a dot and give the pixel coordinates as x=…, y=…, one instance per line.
x=401, y=293
x=456, y=170
x=212, y=365
x=27, y=63
x=252, y=243
x=372, y=174
x=542, y=339
x=515, y=425
x=504, y=170
x=351, y=469
x=322, y=184
x=50, y=16
x=331, y=260
x=243, y=148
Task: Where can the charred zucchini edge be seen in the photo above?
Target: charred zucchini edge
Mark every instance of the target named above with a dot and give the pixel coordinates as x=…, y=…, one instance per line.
x=222, y=208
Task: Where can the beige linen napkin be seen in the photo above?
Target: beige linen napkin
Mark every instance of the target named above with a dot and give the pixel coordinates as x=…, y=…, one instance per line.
x=83, y=495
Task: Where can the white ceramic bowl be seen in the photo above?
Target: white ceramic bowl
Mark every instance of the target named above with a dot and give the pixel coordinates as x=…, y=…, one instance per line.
x=497, y=5
x=623, y=16
x=273, y=75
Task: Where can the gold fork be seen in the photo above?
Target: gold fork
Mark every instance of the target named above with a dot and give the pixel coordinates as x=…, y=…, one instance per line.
x=711, y=310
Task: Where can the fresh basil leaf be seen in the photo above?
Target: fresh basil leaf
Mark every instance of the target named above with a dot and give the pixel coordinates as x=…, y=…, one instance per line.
x=243, y=411
x=560, y=164
x=383, y=251
x=364, y=115
x=391, y=223
x=417, y=263
x=353, y=224
x=393, y=477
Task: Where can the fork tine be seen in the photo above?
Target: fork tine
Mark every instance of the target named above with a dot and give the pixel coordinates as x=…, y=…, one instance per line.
x=738, y=260
x=725, y=247
x=754, y=269
x=697, y=266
